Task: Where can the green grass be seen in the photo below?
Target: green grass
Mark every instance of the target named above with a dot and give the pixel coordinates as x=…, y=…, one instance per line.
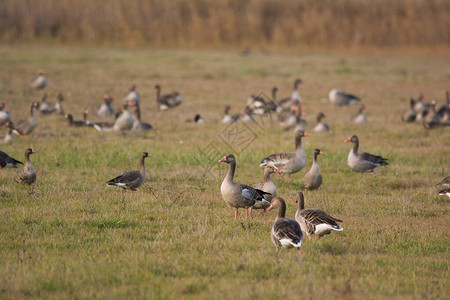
x=74, y=237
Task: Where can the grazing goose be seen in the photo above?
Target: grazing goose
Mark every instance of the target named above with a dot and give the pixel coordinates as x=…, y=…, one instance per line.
x=236, y=194
x=268, y=186
x=363, y=162
x=227, y=118
x=132, y=96
x=321, y=127
x=288, y=162
x=106, y=110
x=340, y=98
x=7, y=161
x=444, y=192
x=285, y=232
x=197, y=119
x=40, y=82
x=8, y=137
x=313, y=179
x=360, y=117
x=410, y=115
x=72, y=122
x=137, y=124
x=25, y=127
x=314, y=221
x=445, y=181
x=125, y=120
x=132, y=179
x=167, y=101
x=26, y=174
x=45, y=107
x=5, y=117
x=294, y=99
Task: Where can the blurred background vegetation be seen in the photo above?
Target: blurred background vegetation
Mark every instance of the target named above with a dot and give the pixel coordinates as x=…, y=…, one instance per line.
x=269, y=24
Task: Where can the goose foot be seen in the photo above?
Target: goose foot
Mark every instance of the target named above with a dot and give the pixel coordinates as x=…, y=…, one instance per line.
x=309, y=238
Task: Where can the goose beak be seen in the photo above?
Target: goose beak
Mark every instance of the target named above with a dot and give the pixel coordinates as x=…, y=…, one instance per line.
x=270, y=207
x=347, y=140
x=223, y=159
x=276, y=170
x=321, y=153
x=306, y=134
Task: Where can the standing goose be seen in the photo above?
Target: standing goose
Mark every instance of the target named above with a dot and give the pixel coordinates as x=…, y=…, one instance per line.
x=313, y=179
x=227, y=118
x=26, y=174
x=410, y=114
x=5, y=117
x=132, y=179
x=132, y=96
x=314, y=221
x=7, y=161
x=25, y=127
x=285, y=232
x=59, y=106
x=167, y=101
x=125, y=120
x=340, y=98
x=444, y=110
x=236, y=194
x=268, y=186
x=360, y=117
x=321, y=127
x=288, y=162
x=8, y=137
x=363, y=162
x=106, y=110
x=40, y=82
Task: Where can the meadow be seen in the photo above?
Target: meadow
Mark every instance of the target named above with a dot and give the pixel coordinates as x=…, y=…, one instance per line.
x=74, y=237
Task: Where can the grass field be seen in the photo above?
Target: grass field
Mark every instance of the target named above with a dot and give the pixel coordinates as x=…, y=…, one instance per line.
x=74, y=237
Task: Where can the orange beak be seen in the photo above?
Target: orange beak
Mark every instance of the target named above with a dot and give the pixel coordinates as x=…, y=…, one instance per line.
x=270, y=207
x=276, y=170
x=347, y=140
x=223, y=159
x=321, y=153
x=306, y=134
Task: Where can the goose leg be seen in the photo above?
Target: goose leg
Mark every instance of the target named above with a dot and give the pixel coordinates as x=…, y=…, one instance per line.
x=299, y=251
x=265, y=210
x=309, y=238
x=320, y=236
x=246, y=212
x=236, y=214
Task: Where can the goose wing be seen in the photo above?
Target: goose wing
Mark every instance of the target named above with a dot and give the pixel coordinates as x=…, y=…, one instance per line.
x=317, y=216
x=375, y=159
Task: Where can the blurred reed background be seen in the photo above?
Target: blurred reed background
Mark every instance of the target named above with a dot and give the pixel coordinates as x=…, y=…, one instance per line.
x=272, y=24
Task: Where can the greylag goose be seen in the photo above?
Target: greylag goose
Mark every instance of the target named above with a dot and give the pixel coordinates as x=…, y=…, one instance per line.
x=227, y=118
x=340, y=98
x=444, y=192
x=268, y=186
x=294, y=99
x=132, y=179
x=431, y=119
x=257, y=104
x=360, y=117
x=313, y=179
x=444, y=110
x=125, y=120
x=314, y=221
x=8, y=137
x=421, y=108
x=246, y=115
x=167, y=101
x=285, y=232
x=321, y=127
x=132, y=95
x=197, y=119
x=288, y=162
x=288, y=118
x=410, y=114
x=72, y=122
x=445, y=181
x=363, y=162
x=7, y=161
x=5, y=117
x=40, y=82
x=137, y=124
x=106, y=110
x=45, y=107
x=25, y=127
x=26, y=174
x=236, y=194
x=59, y=106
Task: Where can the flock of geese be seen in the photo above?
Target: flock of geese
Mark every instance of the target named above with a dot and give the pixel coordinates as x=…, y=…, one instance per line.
x=286, y=233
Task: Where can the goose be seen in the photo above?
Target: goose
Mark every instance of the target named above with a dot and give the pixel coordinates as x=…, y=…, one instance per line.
x=285, y=232
x=421, y=108
x=314, y=221
x=247, y=115
x=25, y=127
x=313, y=179
x=26, y=174
x=103, y=126
x=340, y=98
x=257, y=104
x=294, y=99
x=321, y=127
x=197, y=119
x=445, y=181
x=137, y=124
x=299, y=123
x=410, y=115
x=288, y=118
x=5, y=117
x=72, y=122
x=363, y=162
x=268, y=186
x=8, y=137
x=227, y=118
x=45, y=107
x=431, y=119
x=125, y=120
x=167, y=101
x=444, y=192
x=273, y=105
x=40, y=82
x=106, y=110
x=132, y=95
x=444, y=110
x=360, y=117
x=7, y=161
x=288, y=162
x=59, y=106
x=236, y=194
x=132, y=179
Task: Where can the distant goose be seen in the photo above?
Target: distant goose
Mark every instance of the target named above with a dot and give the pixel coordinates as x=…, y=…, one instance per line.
x=59, y=106
x=421, y=108
x=363, y=162
x=239, y=195
x=288, y=118
x=247, y=115
x=227, y=118
x=26, y=174
x=8, y=137
x=132, y=95
x=197, y=119
x=321, y=127
x=132, y=179
x=106, y=110
x=40, y=82
x=313, y=179
x=268, y=186
x=444, y=192
x=314, y=221
x=360, y=117
x=125, y=120
x=294, y=99
x=257, y=104
x=25, y=127
x=285, y=232
x=288, y=162
x=410, y=114
x=5, y=117
x=45, y=107
x=138, y=125
x=340, y=98
x=431, y=119
x=445, y=181
x=72, y=122
x=7, y=161
x=168, y=100
x=444, y=110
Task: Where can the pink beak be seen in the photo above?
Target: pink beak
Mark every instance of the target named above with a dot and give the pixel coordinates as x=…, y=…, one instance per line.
x=276, y=170
x=223, y=159
x=306, y=134
x=347, y=140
